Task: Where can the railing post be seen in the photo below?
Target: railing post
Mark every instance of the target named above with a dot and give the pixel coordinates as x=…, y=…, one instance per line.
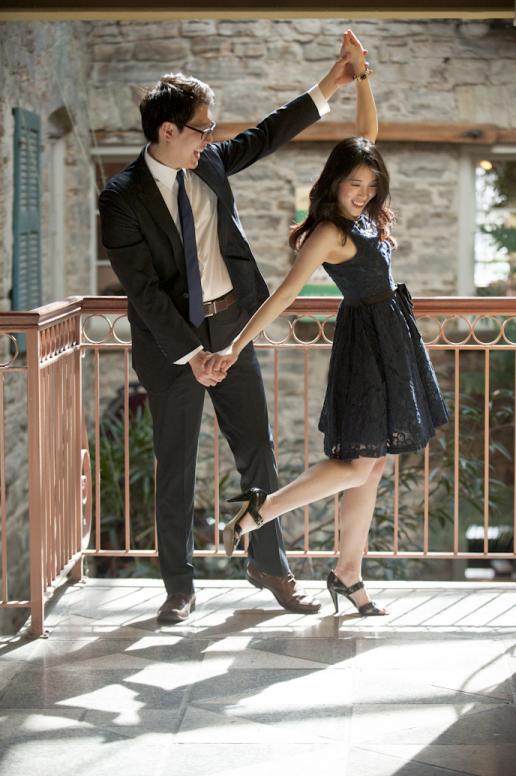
x=80, y=443
x=36, y=539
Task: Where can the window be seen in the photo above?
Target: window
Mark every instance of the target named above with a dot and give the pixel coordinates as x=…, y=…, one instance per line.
x=495, y=235
x=26, y=288
x=107, y=283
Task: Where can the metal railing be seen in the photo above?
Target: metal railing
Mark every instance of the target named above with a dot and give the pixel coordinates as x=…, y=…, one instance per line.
x=61, y=398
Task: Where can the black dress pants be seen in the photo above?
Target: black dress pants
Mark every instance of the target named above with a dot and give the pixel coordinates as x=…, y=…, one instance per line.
x=240, y=406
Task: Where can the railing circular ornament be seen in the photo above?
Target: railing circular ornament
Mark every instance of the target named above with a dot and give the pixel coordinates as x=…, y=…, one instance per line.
x=455, y=319
x=10, y=361
x=105, y=338
x=497, y=327
x=116, y=336
x=436, y=323
x=504, y=330
x=269, y=341
x=86, y=497
x=330, y=320
x=306, y=319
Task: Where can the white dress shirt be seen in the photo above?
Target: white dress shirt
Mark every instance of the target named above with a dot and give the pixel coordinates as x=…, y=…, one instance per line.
x=215, y=280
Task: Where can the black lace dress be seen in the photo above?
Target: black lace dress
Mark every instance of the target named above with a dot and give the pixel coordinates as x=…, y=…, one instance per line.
x=382, y=395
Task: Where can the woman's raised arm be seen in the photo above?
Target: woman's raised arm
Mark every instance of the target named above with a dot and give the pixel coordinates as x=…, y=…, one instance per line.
x=366, y=120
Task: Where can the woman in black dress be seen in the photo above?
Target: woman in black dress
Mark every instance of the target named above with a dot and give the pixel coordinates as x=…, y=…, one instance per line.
x=382, y=395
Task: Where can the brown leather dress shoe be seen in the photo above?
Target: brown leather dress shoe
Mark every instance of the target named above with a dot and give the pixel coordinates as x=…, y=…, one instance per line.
x=287, y=592
x=177, y=607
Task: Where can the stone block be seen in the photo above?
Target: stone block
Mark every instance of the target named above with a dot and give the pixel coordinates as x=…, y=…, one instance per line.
x=212, y=46
x=283, y=52
x=166, y=51
x=465, y=71
x=502, y=71
x=139, y=31
x=109, y=52
x=103, y=31
x=250, y=48
x=302, y=30
x=321, y=50
x=247, y=28
x=193, y=28
x=483, y=103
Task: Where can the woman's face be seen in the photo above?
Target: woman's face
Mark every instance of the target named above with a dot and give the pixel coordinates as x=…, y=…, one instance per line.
x=356, y=191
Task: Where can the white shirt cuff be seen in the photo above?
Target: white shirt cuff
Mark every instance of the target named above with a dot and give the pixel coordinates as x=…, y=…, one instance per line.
x=321, y=103
x=188, y=357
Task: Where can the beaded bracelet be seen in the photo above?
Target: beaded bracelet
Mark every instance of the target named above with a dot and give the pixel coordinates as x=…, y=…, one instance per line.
x=367, y=72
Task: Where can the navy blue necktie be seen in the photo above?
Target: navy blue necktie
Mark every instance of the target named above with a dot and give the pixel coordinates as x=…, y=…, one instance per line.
x=193, y=277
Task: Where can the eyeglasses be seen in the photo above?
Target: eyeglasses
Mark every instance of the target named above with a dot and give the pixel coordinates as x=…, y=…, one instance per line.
x=204, y=133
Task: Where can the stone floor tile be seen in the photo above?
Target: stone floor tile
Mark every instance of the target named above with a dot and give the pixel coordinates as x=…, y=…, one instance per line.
x=94, y=689
x=251, y=759
x=75, y=626
x=8, y=670
x=249, y=658
x=38, y=723
x=364, y=762
x=408, y=686
x=132, y=723
x=18, y=648
x=317, y=702
x=484, y=760
x=207, y=726
x=428, y=723
x=331, y=652
x=442, y=650
x=84, y=753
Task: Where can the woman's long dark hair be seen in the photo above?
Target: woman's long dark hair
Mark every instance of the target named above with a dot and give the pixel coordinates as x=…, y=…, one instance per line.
x=324, y=204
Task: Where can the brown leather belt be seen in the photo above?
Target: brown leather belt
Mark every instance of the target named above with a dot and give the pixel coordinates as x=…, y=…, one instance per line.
x=220, y=304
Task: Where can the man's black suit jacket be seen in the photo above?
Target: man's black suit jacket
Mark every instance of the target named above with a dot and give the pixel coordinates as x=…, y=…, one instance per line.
x=146, y=252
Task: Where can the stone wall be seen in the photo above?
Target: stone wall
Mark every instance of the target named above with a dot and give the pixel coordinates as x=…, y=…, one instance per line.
x=438, y=71
x=45, y=70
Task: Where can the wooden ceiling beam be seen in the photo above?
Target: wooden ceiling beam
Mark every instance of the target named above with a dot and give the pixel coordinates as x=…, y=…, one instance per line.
x=333, y=131
x=23, y=10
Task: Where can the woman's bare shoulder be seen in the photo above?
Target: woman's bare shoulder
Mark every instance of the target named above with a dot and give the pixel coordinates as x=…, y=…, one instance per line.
x=338, y=246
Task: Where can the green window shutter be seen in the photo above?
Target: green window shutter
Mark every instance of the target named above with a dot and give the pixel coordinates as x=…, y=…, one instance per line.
x=26, y=292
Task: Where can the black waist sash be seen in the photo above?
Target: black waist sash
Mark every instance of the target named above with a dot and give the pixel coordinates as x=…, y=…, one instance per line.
x=400, y=289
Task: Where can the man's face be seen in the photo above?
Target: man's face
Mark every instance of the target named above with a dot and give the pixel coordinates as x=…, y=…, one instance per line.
x=184, y=147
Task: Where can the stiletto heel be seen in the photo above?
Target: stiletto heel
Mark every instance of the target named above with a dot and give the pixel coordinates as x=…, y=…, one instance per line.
x=334, y=596
x=253, y=500
x=336, y=588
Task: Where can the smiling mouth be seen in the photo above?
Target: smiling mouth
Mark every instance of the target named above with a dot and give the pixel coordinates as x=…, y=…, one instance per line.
x=357, y=204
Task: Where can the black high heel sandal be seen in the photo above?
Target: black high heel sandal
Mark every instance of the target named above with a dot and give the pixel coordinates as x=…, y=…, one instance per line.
x=253, y=500
x=336, y=588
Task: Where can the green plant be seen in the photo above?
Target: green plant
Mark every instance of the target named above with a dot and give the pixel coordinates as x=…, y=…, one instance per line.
x=141, y=491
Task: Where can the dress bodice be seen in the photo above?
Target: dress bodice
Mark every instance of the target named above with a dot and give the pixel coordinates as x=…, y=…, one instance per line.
x=369, y=271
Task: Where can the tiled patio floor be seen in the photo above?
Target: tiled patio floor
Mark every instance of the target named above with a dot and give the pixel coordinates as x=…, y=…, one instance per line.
x=249, y=690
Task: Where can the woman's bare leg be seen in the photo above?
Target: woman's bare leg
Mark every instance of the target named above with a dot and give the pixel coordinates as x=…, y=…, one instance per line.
x=356, y=512
x=323, y=479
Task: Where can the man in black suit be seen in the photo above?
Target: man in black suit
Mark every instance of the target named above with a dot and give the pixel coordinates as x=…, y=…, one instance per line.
x=174, y=238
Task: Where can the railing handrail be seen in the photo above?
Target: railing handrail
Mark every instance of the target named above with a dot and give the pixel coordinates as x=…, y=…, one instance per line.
x=303, y=305
x=39, y=317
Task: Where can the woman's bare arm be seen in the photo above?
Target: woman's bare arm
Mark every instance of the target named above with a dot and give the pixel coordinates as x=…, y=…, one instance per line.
x=324, y=240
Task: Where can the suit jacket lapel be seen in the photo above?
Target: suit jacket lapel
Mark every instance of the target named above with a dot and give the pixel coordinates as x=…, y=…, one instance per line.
x=155, y=204
x=206, y=173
